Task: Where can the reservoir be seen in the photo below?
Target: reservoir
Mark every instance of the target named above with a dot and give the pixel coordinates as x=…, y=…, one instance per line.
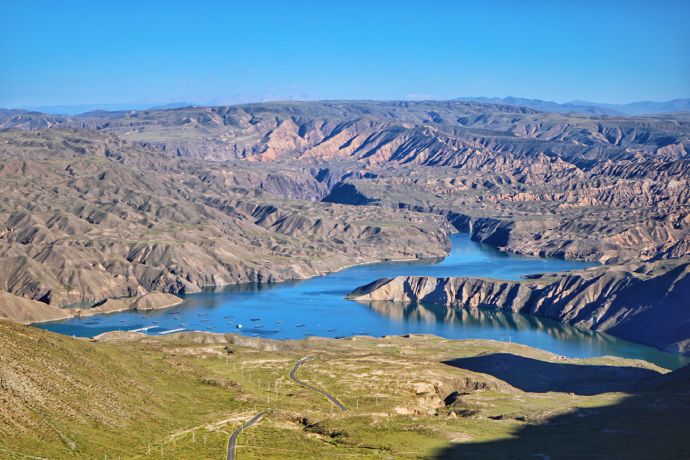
x=317, y=307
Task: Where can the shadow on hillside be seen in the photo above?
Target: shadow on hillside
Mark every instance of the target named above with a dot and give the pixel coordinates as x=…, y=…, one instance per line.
x=652, y=423
x=535, y=376
x=639, y=427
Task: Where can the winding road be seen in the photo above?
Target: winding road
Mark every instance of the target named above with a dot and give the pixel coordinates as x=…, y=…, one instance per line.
x=294, y=378
x=232, y=445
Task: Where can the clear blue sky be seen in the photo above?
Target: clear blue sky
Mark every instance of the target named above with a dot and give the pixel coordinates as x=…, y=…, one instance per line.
x=74, y=52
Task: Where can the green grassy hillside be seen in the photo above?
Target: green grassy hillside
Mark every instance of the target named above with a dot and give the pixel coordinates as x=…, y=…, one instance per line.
x=129, y=396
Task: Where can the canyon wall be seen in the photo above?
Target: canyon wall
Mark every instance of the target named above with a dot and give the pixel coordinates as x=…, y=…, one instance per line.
x=646, y=303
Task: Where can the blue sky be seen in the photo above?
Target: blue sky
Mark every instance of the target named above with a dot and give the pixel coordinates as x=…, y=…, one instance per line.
x=73, y=52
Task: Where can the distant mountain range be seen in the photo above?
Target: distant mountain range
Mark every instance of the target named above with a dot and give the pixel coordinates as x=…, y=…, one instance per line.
x=110, y=107
x=594, y=108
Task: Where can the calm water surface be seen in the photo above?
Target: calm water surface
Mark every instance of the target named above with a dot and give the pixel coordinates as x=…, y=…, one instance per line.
x=294, y=310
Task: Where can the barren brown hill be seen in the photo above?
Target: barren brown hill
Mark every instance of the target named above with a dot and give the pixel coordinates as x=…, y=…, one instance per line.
x=86, y=217
x=21, y=310
x=608, y=188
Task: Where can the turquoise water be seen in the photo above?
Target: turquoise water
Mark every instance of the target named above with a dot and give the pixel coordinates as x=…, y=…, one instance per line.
x=317, y=307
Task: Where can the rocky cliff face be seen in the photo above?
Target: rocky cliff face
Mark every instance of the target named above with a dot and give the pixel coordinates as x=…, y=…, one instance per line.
x=647, y=303
x=447, y=133
x=603, y=214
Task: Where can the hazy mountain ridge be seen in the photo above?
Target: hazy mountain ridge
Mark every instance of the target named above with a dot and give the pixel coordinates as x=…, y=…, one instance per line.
x=594, y=108
x=360, y=130
x=575, y=106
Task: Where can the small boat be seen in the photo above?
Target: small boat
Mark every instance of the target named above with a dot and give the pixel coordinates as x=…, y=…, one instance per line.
x=239, y=326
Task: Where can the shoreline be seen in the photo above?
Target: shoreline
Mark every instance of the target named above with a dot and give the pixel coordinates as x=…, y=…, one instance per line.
x=121, y=305
x=212, y=288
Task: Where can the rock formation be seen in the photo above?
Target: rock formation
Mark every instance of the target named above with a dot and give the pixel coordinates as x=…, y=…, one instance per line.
x=606, y=188
x=646, y=303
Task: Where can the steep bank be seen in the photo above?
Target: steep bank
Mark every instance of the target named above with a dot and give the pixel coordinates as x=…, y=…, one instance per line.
x=646, y=303
x=581, y=215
